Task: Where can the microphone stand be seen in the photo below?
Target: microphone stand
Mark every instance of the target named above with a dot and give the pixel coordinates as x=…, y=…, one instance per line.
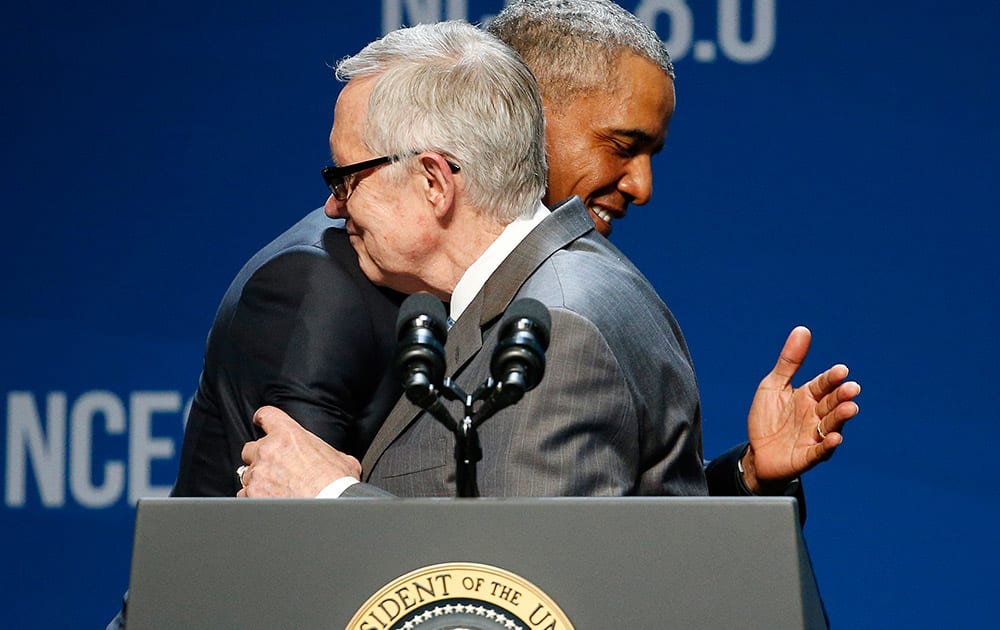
x=468, y=450
x=468, y=454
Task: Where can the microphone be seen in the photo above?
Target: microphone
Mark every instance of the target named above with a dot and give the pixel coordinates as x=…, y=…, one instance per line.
x=421, y=332
x=518, y=362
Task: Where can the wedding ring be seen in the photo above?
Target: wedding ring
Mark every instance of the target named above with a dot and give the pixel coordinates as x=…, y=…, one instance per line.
x=239, y=474
x=819, y=429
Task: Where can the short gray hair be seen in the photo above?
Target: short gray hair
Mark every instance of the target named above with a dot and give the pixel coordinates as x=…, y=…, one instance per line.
x=454, y=89
x=572, y=45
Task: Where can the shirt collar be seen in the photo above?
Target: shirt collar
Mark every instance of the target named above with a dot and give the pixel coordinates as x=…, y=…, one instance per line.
x=480, y=271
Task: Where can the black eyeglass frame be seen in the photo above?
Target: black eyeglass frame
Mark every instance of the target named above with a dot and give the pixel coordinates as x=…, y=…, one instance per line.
x=336, y=176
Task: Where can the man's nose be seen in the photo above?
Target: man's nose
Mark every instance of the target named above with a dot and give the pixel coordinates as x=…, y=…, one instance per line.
x=637, y=183
x=334, y=208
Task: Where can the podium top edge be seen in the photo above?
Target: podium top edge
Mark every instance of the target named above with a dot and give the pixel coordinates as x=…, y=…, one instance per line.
x=645, y=500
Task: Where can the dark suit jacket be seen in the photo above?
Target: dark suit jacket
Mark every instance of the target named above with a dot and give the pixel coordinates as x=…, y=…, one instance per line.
x=302, y=329
x=617, y=412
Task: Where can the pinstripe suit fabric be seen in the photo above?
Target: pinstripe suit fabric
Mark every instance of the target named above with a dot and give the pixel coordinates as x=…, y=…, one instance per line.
x=617, y=412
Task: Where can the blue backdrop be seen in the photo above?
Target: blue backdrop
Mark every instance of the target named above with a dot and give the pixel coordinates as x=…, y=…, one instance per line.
x=830, y=164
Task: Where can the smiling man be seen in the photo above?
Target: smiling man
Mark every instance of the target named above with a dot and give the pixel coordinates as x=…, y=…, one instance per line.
x=607, y=83
x=605, y=140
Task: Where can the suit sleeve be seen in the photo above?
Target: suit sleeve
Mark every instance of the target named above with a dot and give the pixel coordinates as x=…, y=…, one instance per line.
x=298, y=336
x=366, y=491
x=302, y=341
x=726, y=480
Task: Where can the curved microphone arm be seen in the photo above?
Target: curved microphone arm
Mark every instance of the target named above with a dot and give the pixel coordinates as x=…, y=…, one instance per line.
x=517, y=366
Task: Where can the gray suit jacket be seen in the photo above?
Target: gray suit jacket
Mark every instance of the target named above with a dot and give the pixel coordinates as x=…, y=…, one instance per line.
x=617, y=412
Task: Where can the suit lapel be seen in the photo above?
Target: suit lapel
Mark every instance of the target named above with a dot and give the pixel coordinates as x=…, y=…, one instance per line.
x=569, y=221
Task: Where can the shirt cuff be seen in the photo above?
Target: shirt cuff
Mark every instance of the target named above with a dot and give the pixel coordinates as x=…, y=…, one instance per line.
x=790, y=490
x=337, y=488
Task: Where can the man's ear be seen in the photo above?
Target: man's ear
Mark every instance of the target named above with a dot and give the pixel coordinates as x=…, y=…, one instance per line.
x=440, y=183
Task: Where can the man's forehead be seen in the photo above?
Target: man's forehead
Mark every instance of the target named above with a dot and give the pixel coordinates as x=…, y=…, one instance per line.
x=337, y=144
x=639, y=111
x=349, y=119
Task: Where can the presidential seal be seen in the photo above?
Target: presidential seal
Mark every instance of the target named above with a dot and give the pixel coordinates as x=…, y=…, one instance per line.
x=460, y=596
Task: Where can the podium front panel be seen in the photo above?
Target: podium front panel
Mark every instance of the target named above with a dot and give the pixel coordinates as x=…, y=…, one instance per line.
x=607, y=563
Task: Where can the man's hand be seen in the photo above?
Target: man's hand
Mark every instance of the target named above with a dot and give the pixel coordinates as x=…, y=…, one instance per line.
x=784, y=423
x=290, y=461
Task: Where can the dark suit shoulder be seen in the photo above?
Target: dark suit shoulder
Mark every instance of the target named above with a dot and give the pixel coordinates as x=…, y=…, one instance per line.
x=314, y=235
x=310, y=265
x=303, y=329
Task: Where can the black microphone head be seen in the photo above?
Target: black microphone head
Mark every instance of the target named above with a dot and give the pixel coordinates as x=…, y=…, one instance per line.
x=421, y=332
x=428, y=306
x=519, y=357
x=527, y=314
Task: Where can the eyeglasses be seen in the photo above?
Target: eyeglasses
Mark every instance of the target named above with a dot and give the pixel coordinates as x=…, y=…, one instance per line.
x=340, y=179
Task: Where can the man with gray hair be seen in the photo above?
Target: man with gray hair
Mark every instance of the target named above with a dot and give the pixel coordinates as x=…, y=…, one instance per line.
x=442, y=129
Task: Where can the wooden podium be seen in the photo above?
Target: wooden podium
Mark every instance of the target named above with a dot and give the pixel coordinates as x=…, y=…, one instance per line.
x=472, y=563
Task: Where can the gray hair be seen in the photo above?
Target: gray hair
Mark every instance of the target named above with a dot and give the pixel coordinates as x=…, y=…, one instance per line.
x=456, y=90
x=572, y=45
